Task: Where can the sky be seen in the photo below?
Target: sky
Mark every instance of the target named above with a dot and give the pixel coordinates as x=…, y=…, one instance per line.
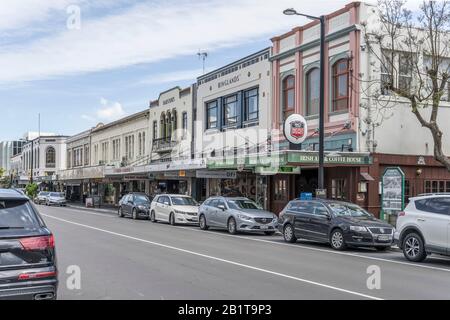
x=80, y=62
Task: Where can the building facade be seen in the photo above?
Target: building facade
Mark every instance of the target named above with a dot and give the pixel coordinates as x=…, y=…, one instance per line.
x=233, y=124
x=8, y=150
x=43, y=158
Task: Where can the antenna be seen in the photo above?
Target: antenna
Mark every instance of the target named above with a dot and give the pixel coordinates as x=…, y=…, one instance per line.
x=203, y=55
x=39, y=125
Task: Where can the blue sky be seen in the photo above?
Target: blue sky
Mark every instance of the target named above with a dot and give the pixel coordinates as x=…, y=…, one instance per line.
x=122, y=55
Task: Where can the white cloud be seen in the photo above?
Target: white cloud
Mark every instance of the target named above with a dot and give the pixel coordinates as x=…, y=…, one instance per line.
x=109, y=111
x=150, y=32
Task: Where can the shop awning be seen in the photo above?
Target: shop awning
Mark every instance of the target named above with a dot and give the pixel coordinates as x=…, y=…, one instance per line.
x=367, y=177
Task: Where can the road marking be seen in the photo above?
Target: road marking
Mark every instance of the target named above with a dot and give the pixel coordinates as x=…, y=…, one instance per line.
x=217, y=259
x=298, y=246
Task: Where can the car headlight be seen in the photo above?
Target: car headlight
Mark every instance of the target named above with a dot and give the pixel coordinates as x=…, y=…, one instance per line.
x=244, y=217
x=180, y=212
x=142, y=208
x=358, y=229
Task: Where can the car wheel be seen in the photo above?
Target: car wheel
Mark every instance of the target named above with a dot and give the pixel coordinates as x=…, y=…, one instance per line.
x=337, y=240
x=232, y=228
x=414, y=248
x=289, y=234
x=153, y=217
x=269, y=233
x=202, y=223
x=172, y=219
x=120, y=212
x=134, y=214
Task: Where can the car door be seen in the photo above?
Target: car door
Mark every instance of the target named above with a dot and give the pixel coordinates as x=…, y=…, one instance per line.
x=211, y=212
x=222, y=215
x=157, y=207
x=165, y=208
x=304, y=211
x=125, y=204
x=432, y=220
x=319, y=223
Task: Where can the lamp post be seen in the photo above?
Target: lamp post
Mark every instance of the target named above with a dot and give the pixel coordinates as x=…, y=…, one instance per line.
x=322, y=20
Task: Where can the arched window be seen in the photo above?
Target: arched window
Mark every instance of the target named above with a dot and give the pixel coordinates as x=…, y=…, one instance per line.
x=174, y=120
x=340, y=85
x=312, y=92
x=50, y=158
x=288, y=97
x=169, y=125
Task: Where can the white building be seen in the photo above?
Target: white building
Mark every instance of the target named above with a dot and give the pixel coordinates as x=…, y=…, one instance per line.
x=8, y=150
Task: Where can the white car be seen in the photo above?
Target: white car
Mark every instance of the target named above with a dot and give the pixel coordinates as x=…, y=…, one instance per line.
x=174, y=209
x=424, y=227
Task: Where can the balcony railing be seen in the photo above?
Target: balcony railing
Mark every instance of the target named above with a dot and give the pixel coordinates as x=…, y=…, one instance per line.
x=163, y=145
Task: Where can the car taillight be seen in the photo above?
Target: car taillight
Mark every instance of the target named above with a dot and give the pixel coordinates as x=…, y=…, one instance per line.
x=402, y=214
x=37, y=275
x=38, y=243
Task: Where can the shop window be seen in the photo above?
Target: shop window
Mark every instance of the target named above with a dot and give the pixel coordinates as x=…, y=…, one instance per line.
x=155, y=130
x=312, y=92
x=436, y=186
x=281, y=190
x=288, y=97
x=386, y=72
x=251, y=105
x=230, y=109
x=338, y=189
x=162, y=126
x=86, y=155
x=185, y=124
x=405, y=72
x=407, y=191
x=211, y=115
x=340, y=85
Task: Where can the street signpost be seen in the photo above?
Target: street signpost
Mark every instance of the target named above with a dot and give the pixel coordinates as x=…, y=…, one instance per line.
x=393, y=193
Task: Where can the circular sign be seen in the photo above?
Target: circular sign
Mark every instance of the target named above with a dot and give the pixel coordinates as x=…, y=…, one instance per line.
x=296, y=129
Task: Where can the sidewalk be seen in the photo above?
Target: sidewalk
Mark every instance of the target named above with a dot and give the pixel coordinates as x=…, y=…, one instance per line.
x=103, y=209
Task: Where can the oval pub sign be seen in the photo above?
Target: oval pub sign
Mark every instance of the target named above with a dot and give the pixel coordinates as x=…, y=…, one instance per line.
x=295, y=129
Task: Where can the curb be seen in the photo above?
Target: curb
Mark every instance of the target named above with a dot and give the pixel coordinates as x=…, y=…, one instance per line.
x=110, y=211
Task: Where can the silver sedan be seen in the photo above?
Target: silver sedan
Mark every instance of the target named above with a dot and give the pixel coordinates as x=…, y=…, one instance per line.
x=236, y=214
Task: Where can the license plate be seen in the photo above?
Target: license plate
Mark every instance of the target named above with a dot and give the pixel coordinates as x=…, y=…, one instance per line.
x=264, y=227
x=384, y=238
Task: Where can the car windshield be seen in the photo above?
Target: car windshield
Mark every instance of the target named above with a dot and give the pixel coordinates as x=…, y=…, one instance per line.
x=348, y=210
x=43, y=193
x=57, y=194
x=242, y=204
x=17, y=214
x=183, y=201
x=141, y=199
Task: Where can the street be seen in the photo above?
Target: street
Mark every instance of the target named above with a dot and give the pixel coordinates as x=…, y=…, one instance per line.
x=127, y=259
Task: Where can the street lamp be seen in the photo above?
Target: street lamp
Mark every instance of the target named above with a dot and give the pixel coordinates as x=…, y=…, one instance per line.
x=322, y=20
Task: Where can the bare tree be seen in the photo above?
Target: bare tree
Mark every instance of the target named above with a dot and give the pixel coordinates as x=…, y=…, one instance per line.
x=413, y=54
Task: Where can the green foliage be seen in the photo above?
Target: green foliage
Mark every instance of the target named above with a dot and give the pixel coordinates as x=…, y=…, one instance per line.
x=31, y=190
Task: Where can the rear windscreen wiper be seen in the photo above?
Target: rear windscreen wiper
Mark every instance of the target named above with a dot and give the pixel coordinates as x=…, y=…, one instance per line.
x=6, y=227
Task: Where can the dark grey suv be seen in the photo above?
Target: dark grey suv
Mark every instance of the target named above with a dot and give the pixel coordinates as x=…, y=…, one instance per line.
x=27, y=251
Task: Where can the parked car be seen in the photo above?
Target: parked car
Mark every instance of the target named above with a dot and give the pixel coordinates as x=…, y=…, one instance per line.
x=337, y=223
x=135, y=205
x=41, y=198
x=28, y=267
x=56, y=198
x=174, y=209
x=236, y=214
x=424, y=227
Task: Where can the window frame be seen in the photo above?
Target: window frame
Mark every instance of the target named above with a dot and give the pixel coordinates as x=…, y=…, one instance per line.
x=209, y=107
x=247, y=97
x=336, y=78
x=286, y=88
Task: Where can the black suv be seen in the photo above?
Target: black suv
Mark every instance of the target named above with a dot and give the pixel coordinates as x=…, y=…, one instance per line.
x=135, y=205
x=27, y=251
x=337, y=223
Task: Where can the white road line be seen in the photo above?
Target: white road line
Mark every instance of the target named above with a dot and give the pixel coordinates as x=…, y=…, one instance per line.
x=217, y=259
x=298, y=246
x=320, y=250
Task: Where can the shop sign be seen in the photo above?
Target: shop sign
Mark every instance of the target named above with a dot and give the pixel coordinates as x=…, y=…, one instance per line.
x=313, y=158
x=182, y=173
x=205, y=174
x=278, y=170
x=296, y=129
x=134, y=178
x=393, y=190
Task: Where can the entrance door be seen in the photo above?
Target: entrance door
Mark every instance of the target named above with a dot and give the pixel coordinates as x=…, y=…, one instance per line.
x=280, y=193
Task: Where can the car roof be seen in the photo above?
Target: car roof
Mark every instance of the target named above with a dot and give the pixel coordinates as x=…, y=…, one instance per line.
x=325, y=201
x=430, y=195
x=12, y=194
x=174, y=195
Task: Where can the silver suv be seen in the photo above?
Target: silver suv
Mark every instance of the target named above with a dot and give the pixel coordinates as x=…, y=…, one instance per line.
x=235, y=215
x=424, y=227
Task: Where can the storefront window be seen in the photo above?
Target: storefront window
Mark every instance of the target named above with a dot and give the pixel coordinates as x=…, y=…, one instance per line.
x=280, y=191
x=433, y=186
x=338, y=189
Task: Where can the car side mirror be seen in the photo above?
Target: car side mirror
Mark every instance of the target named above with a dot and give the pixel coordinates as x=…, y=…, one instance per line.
x=221, y=207
x=166, y=203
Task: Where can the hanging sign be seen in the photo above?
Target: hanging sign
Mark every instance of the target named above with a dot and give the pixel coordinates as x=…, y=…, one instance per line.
x=296, y=129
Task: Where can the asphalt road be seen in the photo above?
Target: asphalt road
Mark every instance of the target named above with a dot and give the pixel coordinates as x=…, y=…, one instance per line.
x=126, y=259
